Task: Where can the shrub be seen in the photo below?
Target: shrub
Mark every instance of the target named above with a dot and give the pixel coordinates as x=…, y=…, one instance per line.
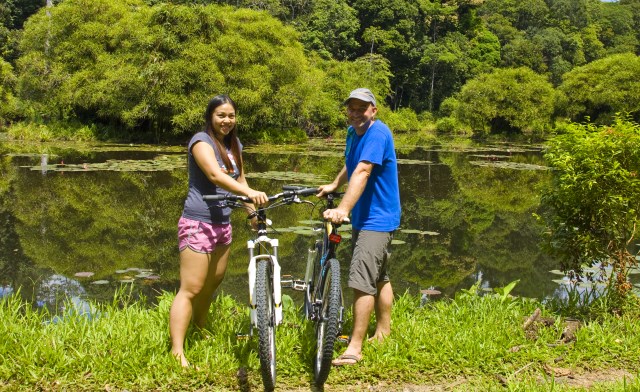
x=593, y=202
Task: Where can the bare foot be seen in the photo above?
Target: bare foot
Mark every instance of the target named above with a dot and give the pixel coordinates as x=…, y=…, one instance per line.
x=183, y=360
x=379, y=337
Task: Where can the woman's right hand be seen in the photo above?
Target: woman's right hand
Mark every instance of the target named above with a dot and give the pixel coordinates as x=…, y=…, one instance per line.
x=257, y=197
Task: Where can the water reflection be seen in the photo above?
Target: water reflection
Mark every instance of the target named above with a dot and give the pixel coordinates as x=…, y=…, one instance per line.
x=466, y=221
x=55, y=289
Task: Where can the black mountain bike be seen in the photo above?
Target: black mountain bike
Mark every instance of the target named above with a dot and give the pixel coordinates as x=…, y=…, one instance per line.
x=323, y=303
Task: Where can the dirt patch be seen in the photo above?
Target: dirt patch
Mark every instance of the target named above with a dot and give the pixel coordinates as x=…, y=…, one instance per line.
x=590, y=379
x=584, y=380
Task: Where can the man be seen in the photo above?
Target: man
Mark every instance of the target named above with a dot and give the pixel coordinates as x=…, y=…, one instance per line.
x=373, y=199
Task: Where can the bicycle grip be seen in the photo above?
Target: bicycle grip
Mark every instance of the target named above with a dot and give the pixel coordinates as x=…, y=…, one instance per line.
x=299, y=190
x=229, y=197
x=214, y=197
x=307, y=191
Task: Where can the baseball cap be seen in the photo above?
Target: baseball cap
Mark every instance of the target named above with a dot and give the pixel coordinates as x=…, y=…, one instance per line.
x=363, y=94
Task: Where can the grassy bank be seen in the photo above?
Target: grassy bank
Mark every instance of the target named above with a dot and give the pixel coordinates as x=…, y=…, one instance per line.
x=470, y=343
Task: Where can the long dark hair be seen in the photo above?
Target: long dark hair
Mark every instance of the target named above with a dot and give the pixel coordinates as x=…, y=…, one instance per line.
x=231, y=139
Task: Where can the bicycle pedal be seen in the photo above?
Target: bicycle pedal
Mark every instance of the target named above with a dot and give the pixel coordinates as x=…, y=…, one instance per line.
x=344, y=339
x=286, y=281
x=242, y=336
x=299, y=285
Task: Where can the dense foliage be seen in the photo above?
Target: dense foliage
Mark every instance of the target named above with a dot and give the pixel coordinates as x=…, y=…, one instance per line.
x=142, y=68
x=7, y=101
x=594, y=200
x=600, y=89
x=512, y=99
x=156, y=67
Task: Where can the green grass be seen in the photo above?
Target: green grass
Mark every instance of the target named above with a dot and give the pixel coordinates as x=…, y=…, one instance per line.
x=465, y=344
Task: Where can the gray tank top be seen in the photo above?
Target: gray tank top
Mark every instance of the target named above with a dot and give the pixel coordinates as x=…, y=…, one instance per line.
x=194, y=207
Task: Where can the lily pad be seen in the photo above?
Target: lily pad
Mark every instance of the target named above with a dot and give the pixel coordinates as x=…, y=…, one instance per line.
x=508, y=165
x=310, y=222
x=413, y=162
x=289, y=176
x=491, y=157
x=83, y=274
x=127, y=280
x=429, y=233
x=411, y=231
x=272, y=230
x=160, y=163
x=397, y=242
x=121, y=271
x=430, y=292
x=557, y=272
x=307, y=232
x=100, y=282
x=561, y=281
x=312, y=148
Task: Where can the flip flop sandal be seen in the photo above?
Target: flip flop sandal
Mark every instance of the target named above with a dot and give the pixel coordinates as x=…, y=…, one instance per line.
x=346, y=360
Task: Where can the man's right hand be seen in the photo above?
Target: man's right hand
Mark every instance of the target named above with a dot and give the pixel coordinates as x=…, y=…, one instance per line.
x=326, y=189
x=336, y=215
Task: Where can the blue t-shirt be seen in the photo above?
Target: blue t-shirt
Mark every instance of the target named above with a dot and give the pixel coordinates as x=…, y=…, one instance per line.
x=378, y=208
x=196, y=208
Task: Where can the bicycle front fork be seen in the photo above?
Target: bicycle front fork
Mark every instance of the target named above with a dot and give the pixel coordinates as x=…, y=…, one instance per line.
x=277, y=292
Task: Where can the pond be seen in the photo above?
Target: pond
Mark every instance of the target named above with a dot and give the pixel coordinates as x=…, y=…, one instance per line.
x=81, y=221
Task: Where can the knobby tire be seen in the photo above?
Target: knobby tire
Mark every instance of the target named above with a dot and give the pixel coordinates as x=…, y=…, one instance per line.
x=265, y=310
x=327, y=326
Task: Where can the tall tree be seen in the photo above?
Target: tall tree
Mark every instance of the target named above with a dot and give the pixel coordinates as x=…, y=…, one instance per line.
x=618, y=28
x=507, y=100
x=330, y=29
x=7, y=83
x=602, y=88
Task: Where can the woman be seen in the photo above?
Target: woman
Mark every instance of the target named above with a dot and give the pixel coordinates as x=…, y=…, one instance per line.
x=204, y=230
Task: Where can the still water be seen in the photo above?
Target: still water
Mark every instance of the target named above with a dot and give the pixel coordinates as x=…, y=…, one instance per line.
x=80, y=222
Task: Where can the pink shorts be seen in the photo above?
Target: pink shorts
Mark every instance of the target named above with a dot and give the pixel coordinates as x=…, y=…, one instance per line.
x=202, y=237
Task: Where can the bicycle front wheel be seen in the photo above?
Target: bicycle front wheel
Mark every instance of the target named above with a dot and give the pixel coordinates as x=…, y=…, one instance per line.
x=265, y=311
x=327, y=325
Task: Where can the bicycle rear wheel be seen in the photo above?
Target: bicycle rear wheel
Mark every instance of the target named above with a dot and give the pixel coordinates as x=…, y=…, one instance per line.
x=327, y=325
x=265, y=310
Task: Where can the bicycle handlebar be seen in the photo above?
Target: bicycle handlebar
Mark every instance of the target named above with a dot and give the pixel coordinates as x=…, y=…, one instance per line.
x=302, y=191
x=289, y=191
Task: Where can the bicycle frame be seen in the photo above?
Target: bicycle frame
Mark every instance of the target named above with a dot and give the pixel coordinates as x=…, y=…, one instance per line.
x=327, y=248
x=323, y=293
x=272, y=256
